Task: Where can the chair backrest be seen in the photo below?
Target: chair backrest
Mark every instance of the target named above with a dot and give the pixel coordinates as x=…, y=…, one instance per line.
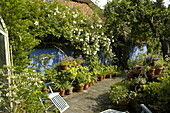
x=145, y=109
x=58, y=101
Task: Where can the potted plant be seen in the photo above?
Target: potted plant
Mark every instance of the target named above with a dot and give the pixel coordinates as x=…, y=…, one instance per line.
x=79, y=60
x=80, y=79
x=159, y=66
x=64, y=63
x=120, y=95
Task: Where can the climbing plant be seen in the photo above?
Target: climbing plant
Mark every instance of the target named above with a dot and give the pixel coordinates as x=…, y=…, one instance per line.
x=32, y=22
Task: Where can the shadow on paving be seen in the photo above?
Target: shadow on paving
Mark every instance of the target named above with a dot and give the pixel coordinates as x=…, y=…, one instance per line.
x=103, y=103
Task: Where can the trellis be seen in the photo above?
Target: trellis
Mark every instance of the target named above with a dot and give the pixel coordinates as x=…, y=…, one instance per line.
x=4, y=45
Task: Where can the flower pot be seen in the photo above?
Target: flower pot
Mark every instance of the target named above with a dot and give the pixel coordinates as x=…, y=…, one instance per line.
x=78, y=64
x=109, y=76
x=79, y=88
x=64, y=67
x=90, y=84
x=151, y=74
x=69, y=91
x=62, y=93
x=123, y=106
x=100, y=78
x=151, y=71
x=86, y=86
x=104, y=76
x=158, y=70
x=138, y=69
x=45, y=90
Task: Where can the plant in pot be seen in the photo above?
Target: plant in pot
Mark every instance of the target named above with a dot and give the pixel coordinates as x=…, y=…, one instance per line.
x=79, y=60
x=63, y=65
x=159, y=66
x=80, y=79
x=88, y=80
x=61, y=82
x=71, y=74
x=120, y=95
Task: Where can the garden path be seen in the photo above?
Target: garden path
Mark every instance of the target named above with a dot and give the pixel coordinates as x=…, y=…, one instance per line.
x=93, y=100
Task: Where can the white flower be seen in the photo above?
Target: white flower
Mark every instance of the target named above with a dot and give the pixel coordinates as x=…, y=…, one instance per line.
x=55, y=13
x=95, y=53
x=87, y=38
x=104, y=39
x=77, y=38
x=100, y=26
x=73, y=12
x=56, y=9
x=92, y=27
x=76, y=29
x=87, y=34
x=81, y=40
x=81, y=21
x=36, y=23
x=64, y=15
x=113, y=40
x=75, y=15
x=102, y=33
x=74, y=22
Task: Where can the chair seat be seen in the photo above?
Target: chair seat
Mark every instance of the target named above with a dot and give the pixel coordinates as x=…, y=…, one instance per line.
x=58, y=101
x=111, y=111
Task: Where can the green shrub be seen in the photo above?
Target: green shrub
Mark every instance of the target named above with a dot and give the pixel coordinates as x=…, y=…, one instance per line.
x=120, y=93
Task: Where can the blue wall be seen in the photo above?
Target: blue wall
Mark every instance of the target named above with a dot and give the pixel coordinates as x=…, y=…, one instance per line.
x=136, y=51
x=50, y=51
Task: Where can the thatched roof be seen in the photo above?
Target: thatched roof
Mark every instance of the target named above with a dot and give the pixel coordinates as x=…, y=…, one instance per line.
x=86, y=6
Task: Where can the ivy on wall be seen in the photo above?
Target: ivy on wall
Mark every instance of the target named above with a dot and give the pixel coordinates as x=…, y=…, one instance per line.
x=30, y=22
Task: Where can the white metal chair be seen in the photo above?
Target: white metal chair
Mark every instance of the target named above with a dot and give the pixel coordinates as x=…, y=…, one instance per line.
x=56, y=100
x=144, y=109
x=112, y=111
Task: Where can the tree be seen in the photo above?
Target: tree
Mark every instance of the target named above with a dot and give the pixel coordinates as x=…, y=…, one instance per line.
x=134, y=22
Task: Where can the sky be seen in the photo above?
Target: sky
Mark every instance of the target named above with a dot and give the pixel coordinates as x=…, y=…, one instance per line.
x=101, y=3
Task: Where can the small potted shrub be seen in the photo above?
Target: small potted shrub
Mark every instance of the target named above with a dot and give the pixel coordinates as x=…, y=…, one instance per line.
x=80, y=79
x=159, y=66
x=120, y=95
x=79, y=60
x=64, y=63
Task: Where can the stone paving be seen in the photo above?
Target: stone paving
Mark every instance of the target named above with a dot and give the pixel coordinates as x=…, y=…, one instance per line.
x=93, y=100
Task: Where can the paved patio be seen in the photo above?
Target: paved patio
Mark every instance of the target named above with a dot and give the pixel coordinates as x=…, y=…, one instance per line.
x=93, y=100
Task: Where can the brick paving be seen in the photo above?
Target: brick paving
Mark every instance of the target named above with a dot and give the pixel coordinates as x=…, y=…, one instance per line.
x=93, y=100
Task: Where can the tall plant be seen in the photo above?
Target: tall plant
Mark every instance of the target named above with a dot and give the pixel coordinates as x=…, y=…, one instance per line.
x=22, y=92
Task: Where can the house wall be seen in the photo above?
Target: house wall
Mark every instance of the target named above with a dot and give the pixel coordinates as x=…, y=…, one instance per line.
x=50, y=51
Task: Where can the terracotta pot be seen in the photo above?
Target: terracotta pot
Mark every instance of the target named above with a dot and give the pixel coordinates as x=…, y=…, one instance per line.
x=69, y=91
x=62, y=93
x=100, y=78
x=45, y=90
x=90, y=84
x=64, y=67
x=123, y=106
x=151, y=74
x=78, y=64
x=151, y=71
x=138, y=69
x=109, y=76
x=158, y=70
x=104, y=76
x=86, y=86
x=79, y=88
